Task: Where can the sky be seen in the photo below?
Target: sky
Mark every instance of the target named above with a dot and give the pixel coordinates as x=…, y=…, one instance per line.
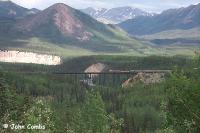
x=147, y=5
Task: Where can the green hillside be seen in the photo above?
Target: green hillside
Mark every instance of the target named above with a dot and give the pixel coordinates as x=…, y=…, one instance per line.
x=73, y=34
x=193, y=33
x=42, y=33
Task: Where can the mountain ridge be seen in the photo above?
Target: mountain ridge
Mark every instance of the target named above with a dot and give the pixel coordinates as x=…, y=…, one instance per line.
x=181, y=18
x=59, y=16
x=115, y=15
x=61, y=26
x=10, y=10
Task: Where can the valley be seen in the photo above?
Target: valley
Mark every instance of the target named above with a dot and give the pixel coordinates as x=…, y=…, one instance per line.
x=116, y=69
x=179, y=34
x=43, y=32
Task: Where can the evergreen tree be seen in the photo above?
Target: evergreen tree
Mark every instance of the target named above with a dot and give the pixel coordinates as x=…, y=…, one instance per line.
x=94, y=114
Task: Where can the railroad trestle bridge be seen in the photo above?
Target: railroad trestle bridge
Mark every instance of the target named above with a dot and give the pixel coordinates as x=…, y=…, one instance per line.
x=77, y=82
x=111, y=77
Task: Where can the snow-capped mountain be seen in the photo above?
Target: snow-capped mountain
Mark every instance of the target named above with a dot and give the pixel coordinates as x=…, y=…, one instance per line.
x=172, y=19
x=95, y=12
x=115, y=15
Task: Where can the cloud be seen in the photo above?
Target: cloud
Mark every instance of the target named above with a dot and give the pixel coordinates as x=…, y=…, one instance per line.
x=42, y=4
x=86, y=3
x=148, y=5
x=28, y=3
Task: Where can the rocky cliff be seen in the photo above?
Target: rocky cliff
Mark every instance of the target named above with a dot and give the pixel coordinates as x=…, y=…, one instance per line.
x=145, y=78
x=29, y=57
x=95, y=68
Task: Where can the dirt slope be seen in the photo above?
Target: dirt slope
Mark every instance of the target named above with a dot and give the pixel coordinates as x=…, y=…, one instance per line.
x=146, y=78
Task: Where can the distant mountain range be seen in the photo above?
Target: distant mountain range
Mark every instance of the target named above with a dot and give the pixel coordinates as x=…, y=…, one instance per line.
x=61, y=26
x=10, y=10
x=63, y=29
x=115, y=15
x=172, y=19
x=61, y=22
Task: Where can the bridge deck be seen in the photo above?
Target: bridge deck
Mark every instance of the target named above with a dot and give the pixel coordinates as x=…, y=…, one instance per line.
x=118, y=72
x=110, y=72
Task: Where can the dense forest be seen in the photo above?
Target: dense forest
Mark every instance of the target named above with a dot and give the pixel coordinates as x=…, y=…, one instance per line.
x=64, y=105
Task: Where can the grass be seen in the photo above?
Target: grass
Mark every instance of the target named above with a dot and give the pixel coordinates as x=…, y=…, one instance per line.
x=107, y=40
x=173, y=34
x=179, y=42
x=74, y=50
x=66, y=51
x=175, y=42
